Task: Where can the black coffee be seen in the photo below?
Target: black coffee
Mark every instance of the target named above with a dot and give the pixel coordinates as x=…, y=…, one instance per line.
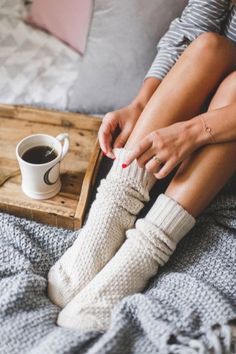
x=39, y=154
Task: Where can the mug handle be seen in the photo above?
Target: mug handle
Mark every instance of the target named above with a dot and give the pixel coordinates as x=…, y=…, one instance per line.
x=65, y=138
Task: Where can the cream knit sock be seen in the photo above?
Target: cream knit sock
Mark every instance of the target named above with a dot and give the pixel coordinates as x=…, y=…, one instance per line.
x=120, y=197
x=148, y=245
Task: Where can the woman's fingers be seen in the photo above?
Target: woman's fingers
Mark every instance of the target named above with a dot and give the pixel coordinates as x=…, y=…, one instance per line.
x=106, y=129
x=136, y=152
x=166, y=169
x=122, y=138
x=104, y=138
x=154, y=166
x=147, y=156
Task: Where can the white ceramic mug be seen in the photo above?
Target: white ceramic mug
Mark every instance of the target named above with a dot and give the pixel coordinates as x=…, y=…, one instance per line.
x=42, y=181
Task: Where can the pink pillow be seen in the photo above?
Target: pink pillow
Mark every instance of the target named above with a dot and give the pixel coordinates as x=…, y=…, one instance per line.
x=68, y=20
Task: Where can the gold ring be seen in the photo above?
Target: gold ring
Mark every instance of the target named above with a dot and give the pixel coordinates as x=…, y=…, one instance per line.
x=156, y=158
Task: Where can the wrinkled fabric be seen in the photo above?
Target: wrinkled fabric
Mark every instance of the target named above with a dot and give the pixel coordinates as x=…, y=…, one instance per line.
x=177, y=313
x=35, y=67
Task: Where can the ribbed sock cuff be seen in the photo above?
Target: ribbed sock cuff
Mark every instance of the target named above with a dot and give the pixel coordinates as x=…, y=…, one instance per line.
x=171, y=218
x=133, y=171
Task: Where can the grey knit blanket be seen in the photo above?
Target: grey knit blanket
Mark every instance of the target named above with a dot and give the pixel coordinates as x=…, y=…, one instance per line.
x=184, y=310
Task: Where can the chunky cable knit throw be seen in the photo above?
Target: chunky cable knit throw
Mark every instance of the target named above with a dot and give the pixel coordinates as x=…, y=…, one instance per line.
x=194, y=291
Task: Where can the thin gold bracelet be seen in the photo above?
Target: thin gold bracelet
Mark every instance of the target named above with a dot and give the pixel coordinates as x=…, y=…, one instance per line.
x=208, y=130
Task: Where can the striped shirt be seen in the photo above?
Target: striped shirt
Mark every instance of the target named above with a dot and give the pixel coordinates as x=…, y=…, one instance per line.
x=199, y=16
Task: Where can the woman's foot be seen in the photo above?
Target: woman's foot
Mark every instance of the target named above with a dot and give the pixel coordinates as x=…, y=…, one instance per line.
x=148, y=246
x=120, y=197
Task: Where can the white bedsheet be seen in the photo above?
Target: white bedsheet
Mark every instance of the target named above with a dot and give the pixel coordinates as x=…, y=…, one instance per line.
x=35, y=67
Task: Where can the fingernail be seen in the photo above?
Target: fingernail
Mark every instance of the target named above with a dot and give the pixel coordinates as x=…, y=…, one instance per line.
x=124, y=165
x=109, y=155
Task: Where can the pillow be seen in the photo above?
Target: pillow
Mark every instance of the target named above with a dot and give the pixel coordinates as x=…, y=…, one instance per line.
x=67, y=20
x=120, y=49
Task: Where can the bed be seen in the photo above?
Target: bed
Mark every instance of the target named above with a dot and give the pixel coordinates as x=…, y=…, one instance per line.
x=184, y=310
x=186, y=307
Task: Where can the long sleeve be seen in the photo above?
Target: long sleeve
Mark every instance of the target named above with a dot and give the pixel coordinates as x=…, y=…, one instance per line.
x=199, y=16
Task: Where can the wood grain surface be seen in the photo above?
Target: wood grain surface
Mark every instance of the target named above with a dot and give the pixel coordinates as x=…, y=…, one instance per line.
x=78, y=168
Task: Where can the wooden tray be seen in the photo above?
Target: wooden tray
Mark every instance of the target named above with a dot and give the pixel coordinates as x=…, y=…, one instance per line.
x=78, y=169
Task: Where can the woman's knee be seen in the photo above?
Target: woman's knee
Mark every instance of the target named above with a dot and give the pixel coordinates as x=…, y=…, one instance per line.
x=226, y=92
x=209, y=42
x=229, y=83
x=214, y=47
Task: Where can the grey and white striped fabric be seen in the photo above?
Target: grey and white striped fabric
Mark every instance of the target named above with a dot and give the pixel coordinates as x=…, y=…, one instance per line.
x=199, y=16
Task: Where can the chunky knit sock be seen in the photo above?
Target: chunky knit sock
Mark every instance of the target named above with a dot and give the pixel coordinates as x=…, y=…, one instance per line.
x=120, y=197
x=148, y=246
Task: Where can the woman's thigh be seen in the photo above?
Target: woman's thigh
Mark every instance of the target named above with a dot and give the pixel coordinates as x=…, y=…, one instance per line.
x=185, y=89
x=201, y=176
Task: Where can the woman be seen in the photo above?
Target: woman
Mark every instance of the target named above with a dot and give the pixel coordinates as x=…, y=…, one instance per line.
x=163, y=128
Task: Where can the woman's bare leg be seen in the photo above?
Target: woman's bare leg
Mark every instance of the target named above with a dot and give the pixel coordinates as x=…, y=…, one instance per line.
x=200, y=177
x=180, y=96
x=155, y=237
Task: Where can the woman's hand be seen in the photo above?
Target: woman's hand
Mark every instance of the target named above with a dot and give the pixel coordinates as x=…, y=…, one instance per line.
x=171, y=145
x=123, y=119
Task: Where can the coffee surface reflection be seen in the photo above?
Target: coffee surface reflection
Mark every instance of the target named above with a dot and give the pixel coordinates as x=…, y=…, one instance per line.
x=39, y=154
